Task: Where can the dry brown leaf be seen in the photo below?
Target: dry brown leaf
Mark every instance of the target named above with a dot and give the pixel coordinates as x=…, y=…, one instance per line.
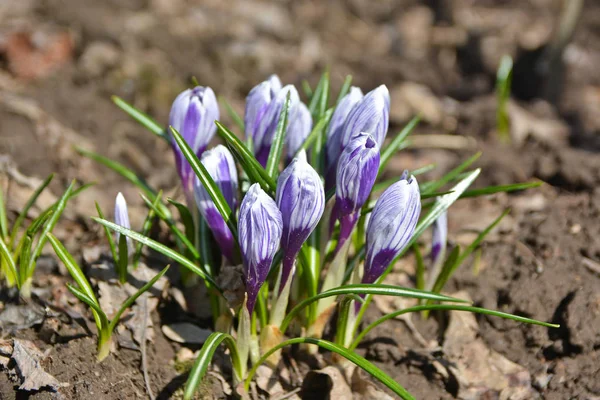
x=27, y=358
x=184, y=332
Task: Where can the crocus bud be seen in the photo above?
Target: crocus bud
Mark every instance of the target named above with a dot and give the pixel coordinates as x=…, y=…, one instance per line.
x=193, y=115
x=439, y=237
x=299, y=127
x=220, y=165
x=257, y=102
x=121, y=214
x=259, y=230
x=370, y=115
x=301, y=200
x=336, y=125
x=391, y=226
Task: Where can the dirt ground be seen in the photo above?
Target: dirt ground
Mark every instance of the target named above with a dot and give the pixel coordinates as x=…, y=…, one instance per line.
x=61, y=60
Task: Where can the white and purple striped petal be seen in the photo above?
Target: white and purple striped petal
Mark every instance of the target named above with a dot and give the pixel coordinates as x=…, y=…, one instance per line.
x=193, y=115
x=371, y=115
x=299, y=127
x=257, y=102
x=391, y=226
x=439, y=237
x=221, y=166
x=259, y=230
x=301, y=200
x=336, y=125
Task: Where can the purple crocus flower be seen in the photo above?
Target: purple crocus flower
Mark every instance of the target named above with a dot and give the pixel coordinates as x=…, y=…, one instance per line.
x=301, y=200
x=122, y=215
x=356, y=173
x=439, y=237
x=193, y=115
x=220, y=165
x=259, y=230
x=263, y=109
x=391, y=225
x=371, y=115
x=299, y=127
x=336, y=125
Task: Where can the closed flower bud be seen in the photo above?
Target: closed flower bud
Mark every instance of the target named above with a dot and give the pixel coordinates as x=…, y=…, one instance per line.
x=336, y=125
x=391, y=226
x=257, y=102
x=301, y=200
x=193, y=115
x=439, y=237
x=220, y=165
x=370, y=115
x=299, y=127
x=259, y=229
x=356, y=173
x=121, y=214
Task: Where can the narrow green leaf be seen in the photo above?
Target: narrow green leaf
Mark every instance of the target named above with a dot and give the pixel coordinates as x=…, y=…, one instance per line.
x=429, y=187
x=109, y=237
x=255, y=171
x=24, y=257
x=235, y=117
x=365, y=289
x=76, y=273
x=123, y=260
x=48, y=227
x=30, y=202
x=129, y=302
x=3, y=219
x=9, y=261
x=390, y=150
x=502, y=188
x=503, y=82
x=146, y=227
x=154, y=245
x=186, y=218
x=349, y=355
x=420, y=269
x=278, y=140
x=307, y=89
x=204, y=358
x=446, y=307
x=90, y=303
x=344, y=89
x=145, y=120
x=207, y=181
x=381, y=186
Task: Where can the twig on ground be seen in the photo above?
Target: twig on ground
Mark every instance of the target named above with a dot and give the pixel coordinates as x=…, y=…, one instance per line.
x=144, y=326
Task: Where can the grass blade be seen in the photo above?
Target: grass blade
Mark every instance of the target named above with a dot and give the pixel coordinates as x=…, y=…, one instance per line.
x=278, y=140
x=9, y=261
x=30, y=202
x=146, y=227
x=347, y=354
x=90, y=302
x=308, y=92
x=420, y=270
x=48, y=227
x=3, y=219
x=123, y=260
x=134, y=297
x=344, y=89
x=429, y=187
x=390, y=150
x=503, y=82
x=109, y=237
x=154, y=245
x=145, y=120
x=186, y=217
x=502, y=188
x=365, y=289
x=207, y=181
x=204, y=358
x=235, y=117
x=446, y=307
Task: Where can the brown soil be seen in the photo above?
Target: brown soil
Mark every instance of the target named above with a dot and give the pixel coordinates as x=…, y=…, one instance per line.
x=146, y=51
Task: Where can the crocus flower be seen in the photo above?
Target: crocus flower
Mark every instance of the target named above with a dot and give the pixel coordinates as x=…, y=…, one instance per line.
x=391, y=225
x=371, y=115
x=220, y=165
x=301, y=200
x=356, y=173
x=299, y=127
x=336, y=125
x=439, y=237
x=263, y=109
x=122, y=215
x=259, y=230
x=193, y=115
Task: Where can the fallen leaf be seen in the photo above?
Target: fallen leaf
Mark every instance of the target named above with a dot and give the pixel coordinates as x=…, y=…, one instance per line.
x=27, y=358
x=184, y=332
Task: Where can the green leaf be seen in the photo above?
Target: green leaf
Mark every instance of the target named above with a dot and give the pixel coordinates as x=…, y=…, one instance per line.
x=9, y=261
x=429, y=187
x=24, y=257
x=253, y=169
x=146, y=227
x=235, y=117
x=93, y=305
x=502, y=188
x=349, y=355
x=446, y=307
x=420, y=270
x=30, y=202
x=134, y=297
x=111, y=240
x=207, y=181
x=381, y=186
x=154, y=245
x=278, y=140
x=390, y=150
x=123, y=260
x=205, y=357
x=503, y=82
x=186, y=218
x=3, y=219
x=76, y=273
x=307, y=89
x=48, y=227
x=145, y=120
x=344, y=89
x=365, y=289
x=318, y=101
